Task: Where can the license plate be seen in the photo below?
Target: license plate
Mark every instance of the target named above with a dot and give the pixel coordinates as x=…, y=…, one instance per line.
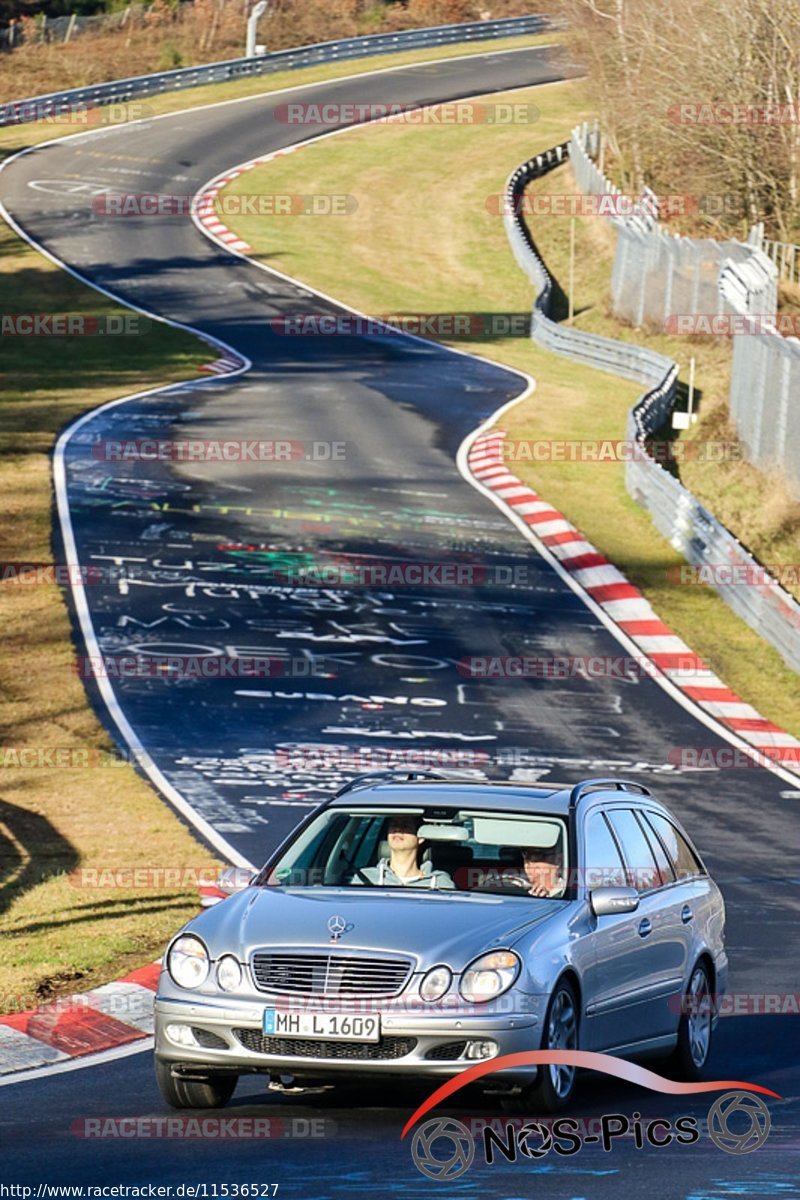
x=336, y=1027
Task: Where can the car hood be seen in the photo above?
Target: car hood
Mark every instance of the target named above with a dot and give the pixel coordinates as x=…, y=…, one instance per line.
x=433, y=928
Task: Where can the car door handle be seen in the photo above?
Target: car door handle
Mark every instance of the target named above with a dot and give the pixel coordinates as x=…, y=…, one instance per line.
x=686, y=914
x=645, y=927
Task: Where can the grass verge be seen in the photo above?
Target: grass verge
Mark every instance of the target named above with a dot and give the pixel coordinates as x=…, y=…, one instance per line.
x=423, y=240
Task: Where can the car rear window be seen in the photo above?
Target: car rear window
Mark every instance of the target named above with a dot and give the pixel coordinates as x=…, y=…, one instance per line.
x=643, y=873
x=684, y=860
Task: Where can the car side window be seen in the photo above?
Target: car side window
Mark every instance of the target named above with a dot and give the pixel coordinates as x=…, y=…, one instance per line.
x=684, y=859
x=643, y=873
x=604, y=867
x=665, y=871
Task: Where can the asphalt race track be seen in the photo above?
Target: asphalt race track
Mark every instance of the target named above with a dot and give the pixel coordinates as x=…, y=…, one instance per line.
x=192, y=564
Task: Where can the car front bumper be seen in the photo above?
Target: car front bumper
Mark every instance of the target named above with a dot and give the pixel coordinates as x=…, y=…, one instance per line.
x=229, y=1037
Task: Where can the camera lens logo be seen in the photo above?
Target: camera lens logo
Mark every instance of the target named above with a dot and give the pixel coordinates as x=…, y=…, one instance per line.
x=529, y=1135
x=732, y=1140
x=460, y=1147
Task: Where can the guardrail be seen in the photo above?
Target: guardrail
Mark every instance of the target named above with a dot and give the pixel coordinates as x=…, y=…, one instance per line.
x=677, y=514
x=120, y=90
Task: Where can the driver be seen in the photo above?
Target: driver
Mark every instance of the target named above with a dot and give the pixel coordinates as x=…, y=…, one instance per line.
x=403, y=868
x=542, y=872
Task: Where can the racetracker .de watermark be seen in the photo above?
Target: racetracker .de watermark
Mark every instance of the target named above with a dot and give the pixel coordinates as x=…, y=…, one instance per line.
x=217, y=450
x=202, y=665
x=732, y=324
x=225, y=204
x=350, y=572
x=605, y=204
x=456, y=112
x=435, y=325
x=61, y=758
x=571, y=666
x=72, y=112
x=25, y=574
x=611, y=450
x=741, y=1004
x=731, y=758
x=201, y=1128
x=72, y=325
x=733, y=112
x=143, y=878
x=735, y=575
x=359, y=759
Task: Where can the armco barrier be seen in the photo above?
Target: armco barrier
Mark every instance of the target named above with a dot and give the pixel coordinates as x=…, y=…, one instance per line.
x=121, y=90
x=676, y=513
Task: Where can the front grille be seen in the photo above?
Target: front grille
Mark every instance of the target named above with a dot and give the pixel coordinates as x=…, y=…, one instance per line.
x=208, y=1040
x=329, y=974
x=447, y=1051
x=387, y=1047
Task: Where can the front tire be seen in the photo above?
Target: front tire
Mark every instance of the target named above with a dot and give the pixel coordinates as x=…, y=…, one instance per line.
x=689, y=1057
x=555, y=1084
x=213, y=1092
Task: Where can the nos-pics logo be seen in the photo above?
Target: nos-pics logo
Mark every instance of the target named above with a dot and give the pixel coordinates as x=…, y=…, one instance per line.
x=443, y=1148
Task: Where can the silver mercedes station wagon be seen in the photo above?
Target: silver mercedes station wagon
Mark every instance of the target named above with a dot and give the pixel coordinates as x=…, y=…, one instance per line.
x=416, y=924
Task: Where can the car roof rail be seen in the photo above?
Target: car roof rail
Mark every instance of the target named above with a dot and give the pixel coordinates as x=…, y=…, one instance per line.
x=399, y=775
x=603, y=785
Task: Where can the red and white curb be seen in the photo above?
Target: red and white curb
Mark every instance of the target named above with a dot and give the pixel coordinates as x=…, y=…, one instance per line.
x=102, y=1019
x=205, y=207
x=625, y=605
x=223, y=366
x=206, y=212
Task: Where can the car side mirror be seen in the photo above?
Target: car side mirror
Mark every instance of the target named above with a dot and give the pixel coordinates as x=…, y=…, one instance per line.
x=606, y=901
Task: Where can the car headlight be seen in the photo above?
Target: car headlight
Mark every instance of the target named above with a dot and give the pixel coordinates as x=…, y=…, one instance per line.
x=435, y=983
x=229, y=973
x=188, y=962
x=489, y=976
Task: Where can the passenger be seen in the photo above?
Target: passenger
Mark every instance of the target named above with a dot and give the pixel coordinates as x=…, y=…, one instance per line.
x=403, y=868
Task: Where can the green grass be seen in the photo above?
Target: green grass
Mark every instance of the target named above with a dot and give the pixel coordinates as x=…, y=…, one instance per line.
x=422, y=241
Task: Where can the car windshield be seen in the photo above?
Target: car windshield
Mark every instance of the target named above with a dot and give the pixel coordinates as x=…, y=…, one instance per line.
x=465, y=850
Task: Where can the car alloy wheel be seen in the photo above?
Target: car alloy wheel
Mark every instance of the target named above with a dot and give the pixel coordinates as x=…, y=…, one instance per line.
x=699, y=1016
x=562, y=1034
x=695, y=1026
x=555, y=1083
